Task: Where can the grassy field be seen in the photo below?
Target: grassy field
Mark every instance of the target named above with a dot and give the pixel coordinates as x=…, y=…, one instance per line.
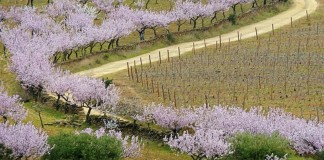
x=283, y=70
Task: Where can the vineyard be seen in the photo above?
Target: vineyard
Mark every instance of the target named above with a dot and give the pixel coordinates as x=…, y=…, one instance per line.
x=281, y=69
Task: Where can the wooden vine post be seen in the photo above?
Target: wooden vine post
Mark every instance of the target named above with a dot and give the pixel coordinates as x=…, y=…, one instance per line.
x=132, y=73
x=141, y=64
x=168, y=56
x=135, y=70
x=158, y=89
x=147, y=84
x=205, y=45
x=193, y=48
x=163, y=96
x=128, y=71
x=206, y=101
x=175, y=99
x=220, y=41
x=152, y=85
x=317, y=115
x=179, y=52
x=160, y=57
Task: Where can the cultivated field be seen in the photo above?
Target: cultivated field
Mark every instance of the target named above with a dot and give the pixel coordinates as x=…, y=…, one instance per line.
x=284, y=69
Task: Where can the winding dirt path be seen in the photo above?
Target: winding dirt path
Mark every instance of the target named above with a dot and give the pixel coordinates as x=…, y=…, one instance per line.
x=297, y=11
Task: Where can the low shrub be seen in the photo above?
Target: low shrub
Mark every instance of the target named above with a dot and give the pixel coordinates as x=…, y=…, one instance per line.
x=256, y=147
x=98, y=61
x=320, y=155
x=170, y=37
x=232, y=18
x=5, y=153
x=84, y=147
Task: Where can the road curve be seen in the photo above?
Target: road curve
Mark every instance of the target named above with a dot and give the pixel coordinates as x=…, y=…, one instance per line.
x=297, y=11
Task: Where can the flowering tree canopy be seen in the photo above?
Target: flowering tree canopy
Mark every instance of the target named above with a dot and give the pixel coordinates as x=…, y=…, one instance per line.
x=25, y=140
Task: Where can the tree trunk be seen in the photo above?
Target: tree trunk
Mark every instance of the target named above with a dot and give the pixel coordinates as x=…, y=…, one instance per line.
x=4, y=51
x=40, y=118
x=117, y=42
x=154, y=31
x=91, y=47
x=88, y=116
x=57, y=102
x=234, y=9
x=56, y=58
x=170, y=3
x=111, y=44
x=179, y=25
x=202, y=22
x=141, y=34
x=5, y=119
x=66, y=110
x=255, y=3
x=241, y=8
x=69, y=54
x=101, y=44
x=84, y=50
x=146, y=4
x=31, y=3
x=65, y=53
x=76, y=53
x=194, y=20
x=214, y=18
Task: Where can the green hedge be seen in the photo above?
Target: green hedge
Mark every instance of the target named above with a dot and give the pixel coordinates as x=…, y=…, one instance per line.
x=256, y=147
x=83, y=147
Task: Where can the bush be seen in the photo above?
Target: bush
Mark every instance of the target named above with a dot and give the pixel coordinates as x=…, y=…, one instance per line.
x=5, y=153
x=256, y=147
x=105, y=57
x=232, y=18
x=84, y=147
x=170, y=38
x=98, y=61
x=320, y=155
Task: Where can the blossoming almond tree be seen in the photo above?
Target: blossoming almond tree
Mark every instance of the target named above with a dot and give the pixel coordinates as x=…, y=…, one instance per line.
x=25, y=140
x=306, y=137
x=207, y=143
x=168, y=117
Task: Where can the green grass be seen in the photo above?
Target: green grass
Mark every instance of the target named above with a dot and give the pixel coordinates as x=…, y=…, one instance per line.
x=159, y=151
x=49, y=115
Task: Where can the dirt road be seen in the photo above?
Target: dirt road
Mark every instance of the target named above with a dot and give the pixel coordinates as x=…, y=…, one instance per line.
x=297, y=11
